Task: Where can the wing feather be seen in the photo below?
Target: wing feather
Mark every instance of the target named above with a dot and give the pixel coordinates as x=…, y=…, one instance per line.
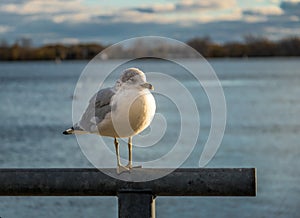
x=99, y=106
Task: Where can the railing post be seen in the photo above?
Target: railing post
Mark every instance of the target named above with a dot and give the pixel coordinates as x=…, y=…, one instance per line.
x=136, y=204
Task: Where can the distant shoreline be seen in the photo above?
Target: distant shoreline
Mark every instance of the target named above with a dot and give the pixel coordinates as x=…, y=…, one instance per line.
x=208, y=59
x=115, y=59
x=252, y=47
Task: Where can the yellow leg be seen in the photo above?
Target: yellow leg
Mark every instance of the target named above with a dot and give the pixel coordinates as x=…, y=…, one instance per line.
x=117, y=152
x=120, y=168
x=129, y=165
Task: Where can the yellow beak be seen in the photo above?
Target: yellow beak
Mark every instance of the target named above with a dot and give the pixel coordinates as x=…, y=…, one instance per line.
x=148, y=86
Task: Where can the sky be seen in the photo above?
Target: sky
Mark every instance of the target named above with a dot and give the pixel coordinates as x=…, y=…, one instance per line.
x=107, y=22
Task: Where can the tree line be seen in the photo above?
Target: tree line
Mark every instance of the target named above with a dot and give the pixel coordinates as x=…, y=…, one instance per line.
x=22, y=50
x=251, y=46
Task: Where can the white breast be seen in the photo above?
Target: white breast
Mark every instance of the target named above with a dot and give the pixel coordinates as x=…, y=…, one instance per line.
x=133, y=112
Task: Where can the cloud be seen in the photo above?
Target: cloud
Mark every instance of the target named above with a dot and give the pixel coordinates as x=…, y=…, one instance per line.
x=41, y=7
x=5, y=29
x=73, y=20
x=155, y=8
x=291, y=7
x=182, y=12
x=262, y=14
x=13, y=1
x=204, y=5
x=264, y=11
x=56, y=10
x=144, y=10
x=185, y=6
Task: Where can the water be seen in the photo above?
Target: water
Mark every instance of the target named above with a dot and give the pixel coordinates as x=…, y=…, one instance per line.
x=262, y=131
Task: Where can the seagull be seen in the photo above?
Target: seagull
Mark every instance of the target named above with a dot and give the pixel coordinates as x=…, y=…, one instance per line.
x=121, y=111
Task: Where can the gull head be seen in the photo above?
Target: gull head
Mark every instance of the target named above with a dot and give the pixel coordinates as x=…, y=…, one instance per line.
x=133, y=78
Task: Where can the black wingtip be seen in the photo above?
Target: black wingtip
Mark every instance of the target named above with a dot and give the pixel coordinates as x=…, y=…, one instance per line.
x=68, y=131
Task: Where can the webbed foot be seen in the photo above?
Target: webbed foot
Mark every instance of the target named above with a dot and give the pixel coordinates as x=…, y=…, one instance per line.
x=122, y=169
x=129, y=166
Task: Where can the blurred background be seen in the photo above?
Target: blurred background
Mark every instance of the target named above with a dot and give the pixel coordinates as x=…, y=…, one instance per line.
x=253, y=46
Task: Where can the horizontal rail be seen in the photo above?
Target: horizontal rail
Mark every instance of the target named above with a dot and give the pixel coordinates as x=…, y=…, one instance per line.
x=93, y=182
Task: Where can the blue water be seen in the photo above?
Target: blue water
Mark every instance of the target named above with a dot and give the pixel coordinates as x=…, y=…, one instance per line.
x=263, y=127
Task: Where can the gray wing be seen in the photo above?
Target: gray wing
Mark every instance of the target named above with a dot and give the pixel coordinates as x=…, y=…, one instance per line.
x=97, y=109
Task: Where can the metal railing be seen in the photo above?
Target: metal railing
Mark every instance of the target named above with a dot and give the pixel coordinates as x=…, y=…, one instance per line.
x=135, y=199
